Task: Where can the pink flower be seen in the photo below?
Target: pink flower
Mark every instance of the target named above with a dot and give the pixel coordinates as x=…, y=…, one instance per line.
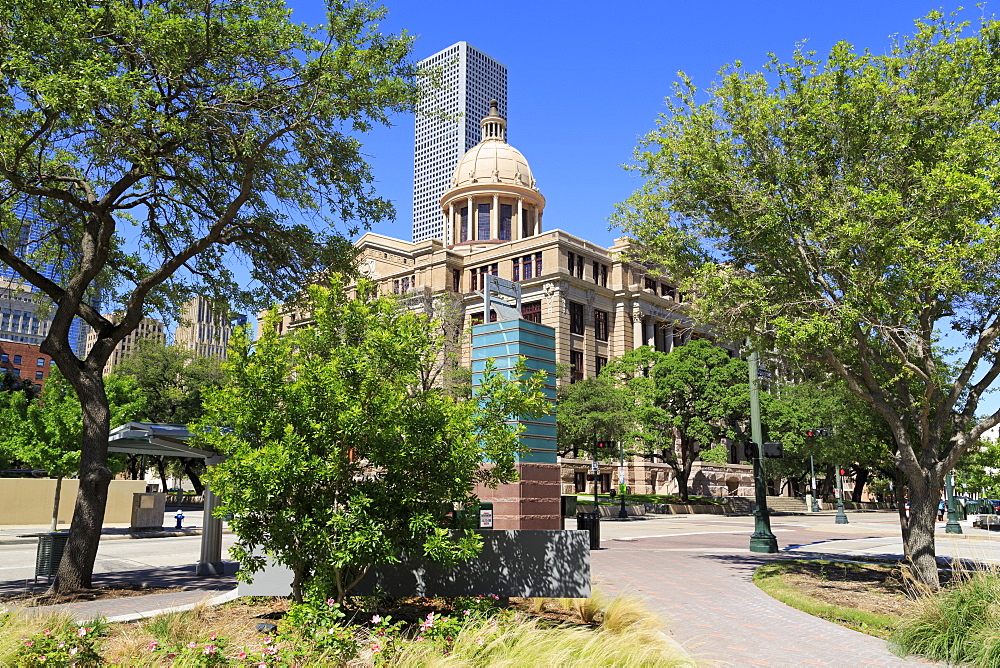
x=331, y=602
x=73, y=651
x=467, y=612
x=267, y=640
x=29, y=643
x=209, y=650
x=211, y=637
x=153, y=645
x=480, y=640
x=42, y=658
x=376, y=619
x=375, y=648
x=46, y=632
x=241, y=655
x=192, y=645
x=82, y=631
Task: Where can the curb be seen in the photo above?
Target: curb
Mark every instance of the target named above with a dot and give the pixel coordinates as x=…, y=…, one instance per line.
x=135, y=616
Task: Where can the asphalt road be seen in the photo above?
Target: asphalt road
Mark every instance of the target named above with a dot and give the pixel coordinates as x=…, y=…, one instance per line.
x=17, y=562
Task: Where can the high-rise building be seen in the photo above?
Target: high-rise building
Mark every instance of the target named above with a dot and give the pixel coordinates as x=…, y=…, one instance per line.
x=25, y=239
x=205, y=329
x=148, y=328
x=448, y=124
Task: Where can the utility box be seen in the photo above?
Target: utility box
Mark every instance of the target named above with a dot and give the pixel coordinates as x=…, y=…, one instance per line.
x=147, y=511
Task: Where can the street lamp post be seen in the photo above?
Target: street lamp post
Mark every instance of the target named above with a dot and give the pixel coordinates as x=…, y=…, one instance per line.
x=952, y=526
x=812, y=469
x=841, y=515
x=762, y=540
x=622, y=513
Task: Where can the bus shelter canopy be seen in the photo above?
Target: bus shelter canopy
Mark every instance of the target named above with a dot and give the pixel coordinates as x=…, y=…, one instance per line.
x=155, y=438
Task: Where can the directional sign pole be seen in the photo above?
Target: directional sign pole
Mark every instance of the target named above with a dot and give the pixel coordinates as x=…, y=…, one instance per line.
x=762, y=540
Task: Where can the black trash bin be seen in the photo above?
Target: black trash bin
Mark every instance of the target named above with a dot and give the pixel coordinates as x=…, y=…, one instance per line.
x=590, y=522
x=50, y=551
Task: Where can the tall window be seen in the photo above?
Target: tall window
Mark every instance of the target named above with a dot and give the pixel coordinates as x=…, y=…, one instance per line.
x=597, y=271
x=532, y=311
x=483, y=222
x=599, y=363
x=604, y=275
x=575, y=318
x=649, y=284
x=571, y=263
x=516, y=270
x=456, y=280
x=474, y=279
x=506, y=213
x=575, y=365
x=465, y=223
x=600, y=325
x=525, y=223
x=526, y=266
x=538, y=264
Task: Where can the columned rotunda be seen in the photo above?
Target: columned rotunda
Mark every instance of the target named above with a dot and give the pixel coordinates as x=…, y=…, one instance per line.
x=493, y=197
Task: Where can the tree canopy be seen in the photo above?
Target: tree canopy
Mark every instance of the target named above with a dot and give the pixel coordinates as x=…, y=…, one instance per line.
x=148, y=148
x=340, y=456
x=842, y=210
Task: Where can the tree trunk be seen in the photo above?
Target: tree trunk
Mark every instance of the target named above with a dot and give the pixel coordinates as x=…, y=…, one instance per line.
x=162, y=470
x=190, y=467
x=919, y=539
x=860, y=479
x=77, y=566
x=55, y=505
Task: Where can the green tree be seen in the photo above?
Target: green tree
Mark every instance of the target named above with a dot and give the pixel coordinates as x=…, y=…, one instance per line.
x=340, y=456
x=685, y=401
x=977, y=471
x=159, y=143
x=172, y=382
x=842, y=210
x=46, y=434
x=592, y=409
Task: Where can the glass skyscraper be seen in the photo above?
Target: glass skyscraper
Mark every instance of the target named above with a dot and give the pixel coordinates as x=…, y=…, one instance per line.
x=21, y=319
x=469, y=79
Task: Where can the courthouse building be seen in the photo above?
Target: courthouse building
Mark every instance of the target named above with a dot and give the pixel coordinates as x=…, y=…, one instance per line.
x=600, y=302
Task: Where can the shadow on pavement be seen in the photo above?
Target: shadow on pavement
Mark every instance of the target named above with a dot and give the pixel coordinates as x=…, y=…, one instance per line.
x=177, y=577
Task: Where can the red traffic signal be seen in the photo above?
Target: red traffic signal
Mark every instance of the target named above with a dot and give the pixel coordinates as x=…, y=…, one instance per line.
x=843, y=471
x=602, y=445
x=822, y=431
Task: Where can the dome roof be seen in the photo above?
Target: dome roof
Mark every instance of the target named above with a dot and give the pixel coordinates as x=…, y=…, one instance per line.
x=493, y=160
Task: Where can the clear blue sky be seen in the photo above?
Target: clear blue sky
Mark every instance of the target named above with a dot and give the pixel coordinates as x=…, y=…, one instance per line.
x=587, y=79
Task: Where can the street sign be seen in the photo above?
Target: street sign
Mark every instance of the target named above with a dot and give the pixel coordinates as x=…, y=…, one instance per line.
x=486, y=518
x=764, y=373
x=594, y=467
x=621, y=475
x=773, y=449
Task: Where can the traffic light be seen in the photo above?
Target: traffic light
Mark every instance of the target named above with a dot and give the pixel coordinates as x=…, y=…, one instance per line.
x=749, y=450
x=591, y=477
x=773, y=449
x=603, y=446
x=821, y=431
x=843, y=471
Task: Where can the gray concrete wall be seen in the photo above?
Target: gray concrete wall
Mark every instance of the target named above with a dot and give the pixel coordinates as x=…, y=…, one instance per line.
x=554, y=564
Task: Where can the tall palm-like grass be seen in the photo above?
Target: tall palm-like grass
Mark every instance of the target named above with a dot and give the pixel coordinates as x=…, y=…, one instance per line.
x=959, y=624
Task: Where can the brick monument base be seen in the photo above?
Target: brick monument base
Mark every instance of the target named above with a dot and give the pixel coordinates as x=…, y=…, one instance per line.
x=530, y=503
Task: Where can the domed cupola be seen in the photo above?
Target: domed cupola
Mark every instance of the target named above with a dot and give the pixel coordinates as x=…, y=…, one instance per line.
x=493, y=197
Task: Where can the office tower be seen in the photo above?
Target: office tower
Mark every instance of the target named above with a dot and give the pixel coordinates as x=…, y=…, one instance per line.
x=204, y=329
x=469, y=79
x=148, y=328
x=20, y=312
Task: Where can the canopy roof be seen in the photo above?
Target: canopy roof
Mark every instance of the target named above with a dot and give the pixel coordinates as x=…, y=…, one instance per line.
x=152, y=438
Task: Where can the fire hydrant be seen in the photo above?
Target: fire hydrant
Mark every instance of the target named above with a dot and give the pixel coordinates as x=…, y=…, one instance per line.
x=180, y=518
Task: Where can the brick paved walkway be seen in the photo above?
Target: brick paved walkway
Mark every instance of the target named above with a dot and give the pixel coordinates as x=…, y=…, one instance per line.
x=703, y=585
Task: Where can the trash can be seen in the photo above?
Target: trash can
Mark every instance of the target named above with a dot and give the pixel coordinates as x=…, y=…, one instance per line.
x=972, y=507
x=590, y=522
x=959, y=510
x=50, y=551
